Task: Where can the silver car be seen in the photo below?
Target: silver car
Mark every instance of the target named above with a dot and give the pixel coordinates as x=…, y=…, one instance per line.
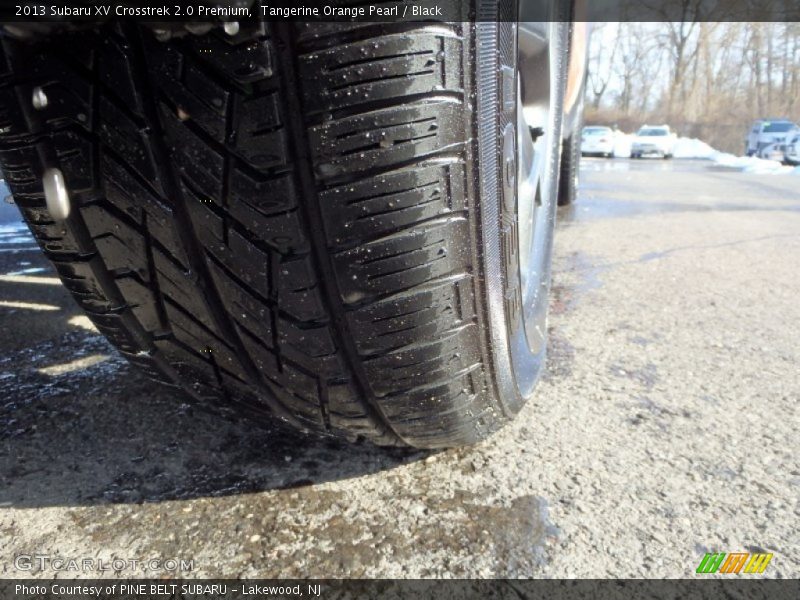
x=791, y=155
x=768, y=134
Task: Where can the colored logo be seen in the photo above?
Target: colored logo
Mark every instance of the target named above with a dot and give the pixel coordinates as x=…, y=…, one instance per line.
x=734, y=563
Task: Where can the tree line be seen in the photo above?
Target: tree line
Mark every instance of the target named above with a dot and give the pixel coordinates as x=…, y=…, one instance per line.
x=706, y=79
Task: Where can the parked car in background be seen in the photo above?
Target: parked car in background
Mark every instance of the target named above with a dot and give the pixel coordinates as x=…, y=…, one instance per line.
x=766, y=133
x=653, y=141
x=597, y=141
x=791, y=155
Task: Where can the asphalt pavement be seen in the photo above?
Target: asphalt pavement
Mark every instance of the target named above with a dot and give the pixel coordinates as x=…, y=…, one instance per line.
x=665, y=427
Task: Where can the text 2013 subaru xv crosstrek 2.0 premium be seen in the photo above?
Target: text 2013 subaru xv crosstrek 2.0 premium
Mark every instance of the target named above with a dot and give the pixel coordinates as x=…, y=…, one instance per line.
x=347, y=225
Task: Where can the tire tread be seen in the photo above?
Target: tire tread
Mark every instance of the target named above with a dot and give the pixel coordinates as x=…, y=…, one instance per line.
x=295, y=235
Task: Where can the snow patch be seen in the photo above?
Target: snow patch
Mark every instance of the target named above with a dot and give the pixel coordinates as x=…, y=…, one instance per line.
x=692, y=148
x=698, y=149
x=750, y=164
x=622, y=144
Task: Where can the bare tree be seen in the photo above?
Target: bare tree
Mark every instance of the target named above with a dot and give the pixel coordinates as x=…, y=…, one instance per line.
x=600, y=64
x=636, y=52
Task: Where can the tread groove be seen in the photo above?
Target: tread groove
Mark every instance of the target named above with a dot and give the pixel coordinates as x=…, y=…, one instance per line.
x=297, y=129
x=189, y=241
x=151, y=264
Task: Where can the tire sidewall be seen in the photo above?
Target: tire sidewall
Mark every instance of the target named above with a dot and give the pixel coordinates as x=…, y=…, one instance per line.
x=516, y=366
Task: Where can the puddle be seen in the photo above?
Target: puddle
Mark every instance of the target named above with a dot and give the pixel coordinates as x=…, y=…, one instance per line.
x=16, y=238
x=518, y=534
x=513, y=537
x=646, y=164
x=27, y=271
x=35, y=373
x=591, y=208
x=315, y=532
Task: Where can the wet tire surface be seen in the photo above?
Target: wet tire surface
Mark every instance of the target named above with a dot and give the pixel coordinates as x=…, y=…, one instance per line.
x=277, y=219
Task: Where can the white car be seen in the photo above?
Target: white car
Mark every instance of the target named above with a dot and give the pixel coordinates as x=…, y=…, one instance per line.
x=791, y=155
x=597, y=141
x=767, y=136
x=653, y=140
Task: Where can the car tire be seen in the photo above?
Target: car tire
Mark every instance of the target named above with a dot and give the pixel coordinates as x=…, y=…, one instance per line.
x=310, y=221
x=570, y=169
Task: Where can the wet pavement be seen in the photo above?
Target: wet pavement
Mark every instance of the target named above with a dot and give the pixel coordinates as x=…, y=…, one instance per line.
x=664, y=428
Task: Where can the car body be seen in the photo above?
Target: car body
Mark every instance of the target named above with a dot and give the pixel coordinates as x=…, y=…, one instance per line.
x=577, y=66
x=791, y=153
x=767, y=137
x=653, y=140
x=529, y=34
x=597, y=140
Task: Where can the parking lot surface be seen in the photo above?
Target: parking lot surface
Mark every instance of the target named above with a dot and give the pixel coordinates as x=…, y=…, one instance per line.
x=665, y=427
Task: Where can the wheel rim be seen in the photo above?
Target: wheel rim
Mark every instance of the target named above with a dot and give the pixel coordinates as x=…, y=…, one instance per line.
x=537, y=177
x=516, y=361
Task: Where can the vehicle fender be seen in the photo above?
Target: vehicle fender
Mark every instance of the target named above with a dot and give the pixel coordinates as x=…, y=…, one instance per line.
x=580, y=31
